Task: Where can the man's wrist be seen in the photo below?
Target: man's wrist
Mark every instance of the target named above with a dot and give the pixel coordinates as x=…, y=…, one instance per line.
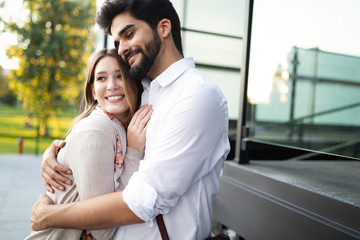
x=50, y=214
x=44, y=213
x=39, y=218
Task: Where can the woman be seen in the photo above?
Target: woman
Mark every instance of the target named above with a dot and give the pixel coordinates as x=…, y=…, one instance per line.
x=96, y=144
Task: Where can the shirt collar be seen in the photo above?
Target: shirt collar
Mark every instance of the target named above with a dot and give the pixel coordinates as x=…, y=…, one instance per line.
x=171, y=73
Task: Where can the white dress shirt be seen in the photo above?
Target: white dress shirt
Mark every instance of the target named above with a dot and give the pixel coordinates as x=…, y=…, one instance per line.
x=186, y=144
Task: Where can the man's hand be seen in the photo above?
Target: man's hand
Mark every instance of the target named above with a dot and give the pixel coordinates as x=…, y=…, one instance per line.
x=50, y=168
x=38, y=212
x=136, y=131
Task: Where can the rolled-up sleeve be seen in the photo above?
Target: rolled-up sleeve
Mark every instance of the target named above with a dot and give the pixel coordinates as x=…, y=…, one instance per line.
x=140, y=198
x=184, y=150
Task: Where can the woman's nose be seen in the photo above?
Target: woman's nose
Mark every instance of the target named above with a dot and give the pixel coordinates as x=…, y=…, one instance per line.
x=114, y=83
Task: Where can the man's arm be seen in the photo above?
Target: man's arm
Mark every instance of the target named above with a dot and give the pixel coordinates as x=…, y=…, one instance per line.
x=50, y=168
x=103, y=211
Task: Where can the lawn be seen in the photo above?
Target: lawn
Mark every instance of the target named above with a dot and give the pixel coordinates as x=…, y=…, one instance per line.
x=12, y=126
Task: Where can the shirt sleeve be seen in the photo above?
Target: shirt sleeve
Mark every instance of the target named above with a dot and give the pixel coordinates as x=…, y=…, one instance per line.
x=185, y=151
x=90, y=155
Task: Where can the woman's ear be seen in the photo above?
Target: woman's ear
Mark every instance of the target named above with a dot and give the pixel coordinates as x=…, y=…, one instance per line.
x=93, y=91
x=164, y=28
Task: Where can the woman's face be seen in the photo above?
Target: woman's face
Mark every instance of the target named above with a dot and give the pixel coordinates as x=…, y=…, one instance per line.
x=108, y=89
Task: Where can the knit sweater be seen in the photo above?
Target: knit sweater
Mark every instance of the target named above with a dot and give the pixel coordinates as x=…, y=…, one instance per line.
x=89, y=152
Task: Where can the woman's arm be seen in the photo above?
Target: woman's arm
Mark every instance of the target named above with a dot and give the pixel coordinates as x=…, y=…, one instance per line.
x=103, y=211
x=90, y=154
x=136, y=134
x=96, y=213
x=50, y=167
x=131, y=165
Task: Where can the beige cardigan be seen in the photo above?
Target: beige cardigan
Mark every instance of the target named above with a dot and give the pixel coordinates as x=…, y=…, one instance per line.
x=90, y=152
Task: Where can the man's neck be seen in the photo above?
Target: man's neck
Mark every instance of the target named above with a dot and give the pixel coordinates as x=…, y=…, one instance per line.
x=162, y=62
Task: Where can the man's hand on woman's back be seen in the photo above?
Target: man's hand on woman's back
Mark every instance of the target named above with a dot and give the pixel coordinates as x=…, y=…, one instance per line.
x=50, y=168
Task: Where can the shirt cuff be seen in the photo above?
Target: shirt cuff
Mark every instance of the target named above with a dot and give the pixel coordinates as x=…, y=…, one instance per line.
x=140, y=198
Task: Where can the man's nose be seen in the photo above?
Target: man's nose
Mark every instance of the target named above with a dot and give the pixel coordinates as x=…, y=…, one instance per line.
x=123, y=48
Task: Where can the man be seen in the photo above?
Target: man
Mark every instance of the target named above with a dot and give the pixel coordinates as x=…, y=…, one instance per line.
x=186, y=141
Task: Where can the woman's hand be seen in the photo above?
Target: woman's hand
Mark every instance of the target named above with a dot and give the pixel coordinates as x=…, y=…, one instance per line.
x=136, y=131
x=50, y=168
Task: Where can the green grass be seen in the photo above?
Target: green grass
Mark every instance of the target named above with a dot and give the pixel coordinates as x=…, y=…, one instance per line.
x=12, y=126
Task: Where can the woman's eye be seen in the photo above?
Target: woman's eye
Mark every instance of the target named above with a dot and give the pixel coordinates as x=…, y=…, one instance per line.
x=119, y=76
x=100, y=78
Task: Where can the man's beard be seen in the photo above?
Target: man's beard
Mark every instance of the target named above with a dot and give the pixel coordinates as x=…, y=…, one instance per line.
x=140, y=70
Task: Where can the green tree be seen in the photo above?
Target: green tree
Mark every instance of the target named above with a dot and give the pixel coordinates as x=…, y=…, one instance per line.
x=53, y=47
x=3, y=84
x=7, y=96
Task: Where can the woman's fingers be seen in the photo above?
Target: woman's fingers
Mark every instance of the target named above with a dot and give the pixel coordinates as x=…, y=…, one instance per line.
x=143, y=117
x=138, y=112
x=146, y=118
x=137, y=128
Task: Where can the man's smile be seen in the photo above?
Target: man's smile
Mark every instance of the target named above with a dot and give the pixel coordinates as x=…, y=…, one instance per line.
x=130, y=55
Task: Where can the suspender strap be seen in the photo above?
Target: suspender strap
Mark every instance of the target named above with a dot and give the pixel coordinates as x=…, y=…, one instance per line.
x=162, y=227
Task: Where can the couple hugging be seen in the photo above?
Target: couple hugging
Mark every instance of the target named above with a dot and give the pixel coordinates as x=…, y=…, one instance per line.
x=124, y=165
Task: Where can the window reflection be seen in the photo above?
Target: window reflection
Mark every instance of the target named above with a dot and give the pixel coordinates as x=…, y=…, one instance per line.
x=212, y=35
x=214, y=16
x=304, y=75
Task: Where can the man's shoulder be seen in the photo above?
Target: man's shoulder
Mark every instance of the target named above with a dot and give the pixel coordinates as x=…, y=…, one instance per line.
x=195, y=81
x=194, y=78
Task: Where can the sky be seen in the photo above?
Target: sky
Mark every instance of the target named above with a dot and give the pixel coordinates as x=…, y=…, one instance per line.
x=330, y=25
x=12, y=10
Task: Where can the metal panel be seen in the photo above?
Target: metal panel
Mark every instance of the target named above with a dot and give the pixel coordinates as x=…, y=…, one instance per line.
x=257, y=206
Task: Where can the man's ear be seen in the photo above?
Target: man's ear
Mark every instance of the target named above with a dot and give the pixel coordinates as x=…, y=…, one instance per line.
x=164, y=28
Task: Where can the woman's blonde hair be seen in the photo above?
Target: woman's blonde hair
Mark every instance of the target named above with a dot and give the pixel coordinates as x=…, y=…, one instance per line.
x=132, y=88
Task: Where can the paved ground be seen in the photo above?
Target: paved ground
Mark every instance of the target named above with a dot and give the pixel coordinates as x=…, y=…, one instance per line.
x=20, y=185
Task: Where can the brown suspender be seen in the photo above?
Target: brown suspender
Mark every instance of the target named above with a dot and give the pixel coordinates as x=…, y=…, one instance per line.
x=162, y=227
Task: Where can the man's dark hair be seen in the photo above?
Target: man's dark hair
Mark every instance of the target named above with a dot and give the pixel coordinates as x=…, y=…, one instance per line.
x=149, y=11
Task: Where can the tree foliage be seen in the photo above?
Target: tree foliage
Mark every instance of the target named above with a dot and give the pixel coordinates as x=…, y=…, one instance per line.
x=7, y=96
x=53, y=47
